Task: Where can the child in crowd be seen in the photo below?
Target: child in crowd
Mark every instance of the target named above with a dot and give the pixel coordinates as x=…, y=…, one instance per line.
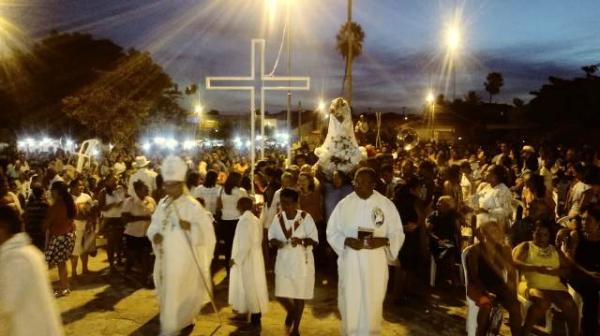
x=294, y=234
x=248, y=292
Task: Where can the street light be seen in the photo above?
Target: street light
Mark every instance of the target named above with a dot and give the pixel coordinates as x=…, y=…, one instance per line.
x=453, y=42
x=430, y=98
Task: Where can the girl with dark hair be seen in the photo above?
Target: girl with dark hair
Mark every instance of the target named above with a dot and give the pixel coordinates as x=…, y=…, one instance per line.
x=227, y=204
x=535, y=189
x=59, y=224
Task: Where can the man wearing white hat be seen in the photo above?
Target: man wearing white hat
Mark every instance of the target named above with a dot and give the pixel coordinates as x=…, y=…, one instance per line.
x=143, y=173
x=183, y=240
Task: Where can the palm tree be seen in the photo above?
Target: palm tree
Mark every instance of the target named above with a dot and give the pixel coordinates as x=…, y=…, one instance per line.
x=494, y=81
x=351, y=35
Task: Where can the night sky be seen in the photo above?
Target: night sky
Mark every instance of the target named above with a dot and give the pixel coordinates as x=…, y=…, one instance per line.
x=403, y=55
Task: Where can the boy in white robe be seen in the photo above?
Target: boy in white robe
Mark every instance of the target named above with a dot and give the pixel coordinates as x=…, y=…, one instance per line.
x=294, y=234
x=27, y=306
x=366, y=233
x=248, y=282
x=183, y=240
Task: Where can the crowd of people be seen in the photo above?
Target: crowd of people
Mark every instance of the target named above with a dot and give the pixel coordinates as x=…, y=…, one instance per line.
x=514, y=225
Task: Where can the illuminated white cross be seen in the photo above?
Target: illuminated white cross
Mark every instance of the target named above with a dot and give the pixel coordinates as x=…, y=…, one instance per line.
x=263, y=83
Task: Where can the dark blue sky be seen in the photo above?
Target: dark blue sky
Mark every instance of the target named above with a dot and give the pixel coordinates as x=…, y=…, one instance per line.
x=526, y=40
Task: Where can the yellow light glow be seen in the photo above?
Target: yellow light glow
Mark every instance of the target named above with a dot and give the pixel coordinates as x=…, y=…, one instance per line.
x=321, y=106
x=198, y=108
x=453, y=38
x=430, y=97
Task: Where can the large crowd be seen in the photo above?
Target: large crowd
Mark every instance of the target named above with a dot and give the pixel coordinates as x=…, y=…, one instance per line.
x=517, y=225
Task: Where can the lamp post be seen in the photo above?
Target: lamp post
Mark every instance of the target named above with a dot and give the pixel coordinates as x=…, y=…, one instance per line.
x=431, y=102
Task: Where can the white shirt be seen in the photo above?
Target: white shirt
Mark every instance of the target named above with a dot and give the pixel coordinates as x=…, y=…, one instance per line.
x=209, y=195
x=27, y=306
x=230, y=211
x=136, y=207
x=117, y=196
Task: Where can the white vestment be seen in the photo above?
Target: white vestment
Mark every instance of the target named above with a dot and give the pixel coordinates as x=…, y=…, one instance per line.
x=248, y=282
x=181, y=289
x=363, y=274
x=27, y=306
x=294, y=266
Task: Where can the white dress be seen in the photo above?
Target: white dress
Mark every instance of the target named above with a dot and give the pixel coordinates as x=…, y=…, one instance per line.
x=340, y=150
x=80, y=225
x=497, y=201
x=248, y=291
x=363, y=274
x=27, y=306
x=182, y=266
x=294, y=266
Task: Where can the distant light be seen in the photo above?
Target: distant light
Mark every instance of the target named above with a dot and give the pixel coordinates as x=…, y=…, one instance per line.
x=171, y=143
x=459, y=138
x=160, y=140
x=46, y=140
x=198, y=108
x=189, y=144
x=69, y=142
x=430, y=98
x=321, y=106
x=405, y=118
x=30, y=141
x=110, y=147
x=95, y=152
x=453, y=38
x=146, y=146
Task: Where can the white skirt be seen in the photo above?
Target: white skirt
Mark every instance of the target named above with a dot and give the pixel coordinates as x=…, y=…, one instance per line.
x=294, y=288
x=79, y=233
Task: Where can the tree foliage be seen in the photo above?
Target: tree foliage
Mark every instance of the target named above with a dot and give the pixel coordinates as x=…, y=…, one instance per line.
x=349, y=31
x=34, y=81
x=494, y=81
x=126, y=99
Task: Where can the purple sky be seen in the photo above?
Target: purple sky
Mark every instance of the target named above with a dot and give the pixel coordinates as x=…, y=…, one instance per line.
x=403, y=52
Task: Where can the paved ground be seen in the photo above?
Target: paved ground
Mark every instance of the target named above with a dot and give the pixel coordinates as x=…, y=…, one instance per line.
x=113, y=305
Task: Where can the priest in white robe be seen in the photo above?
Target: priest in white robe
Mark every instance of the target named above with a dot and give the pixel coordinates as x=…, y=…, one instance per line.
x=365, y=231
x=183, y=240
x=248, y=293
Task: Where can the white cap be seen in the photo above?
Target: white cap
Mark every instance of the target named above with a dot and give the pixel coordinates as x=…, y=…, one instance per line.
x=173, y=169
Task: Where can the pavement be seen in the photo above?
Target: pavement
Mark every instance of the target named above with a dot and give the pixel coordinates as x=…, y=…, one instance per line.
x=102, y=304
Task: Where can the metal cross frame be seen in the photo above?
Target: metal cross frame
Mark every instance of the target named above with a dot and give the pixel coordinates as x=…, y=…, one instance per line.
x=276, y=84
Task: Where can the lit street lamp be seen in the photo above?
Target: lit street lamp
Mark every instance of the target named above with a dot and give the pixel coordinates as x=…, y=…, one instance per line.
x=431, y=102
x=453, y=43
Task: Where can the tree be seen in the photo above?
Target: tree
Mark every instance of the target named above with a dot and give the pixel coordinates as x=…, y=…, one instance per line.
x=518, y=102
x=350, y=33
x=590, y=70
x=34, y=82
x=136, y=94
x=472, y=98
x=494, y=81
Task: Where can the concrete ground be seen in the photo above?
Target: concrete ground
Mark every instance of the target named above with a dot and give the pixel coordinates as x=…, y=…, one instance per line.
x=102, y=304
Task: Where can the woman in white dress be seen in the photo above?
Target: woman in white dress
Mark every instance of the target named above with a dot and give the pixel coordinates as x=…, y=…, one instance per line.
x=494, y=198
x=294, y=234
x=227, y=204
x=83, y=206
